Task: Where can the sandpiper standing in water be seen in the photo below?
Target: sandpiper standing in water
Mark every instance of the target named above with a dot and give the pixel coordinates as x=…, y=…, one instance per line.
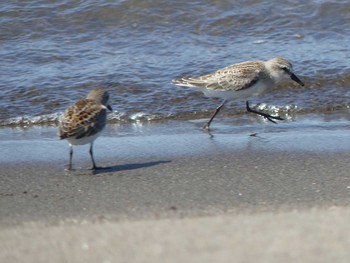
x=84, y=121
x=242, y=80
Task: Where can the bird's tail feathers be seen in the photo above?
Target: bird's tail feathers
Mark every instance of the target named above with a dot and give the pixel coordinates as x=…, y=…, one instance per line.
x=188, y=82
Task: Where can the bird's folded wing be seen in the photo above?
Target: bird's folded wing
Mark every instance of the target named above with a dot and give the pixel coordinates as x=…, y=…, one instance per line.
x=79, y=122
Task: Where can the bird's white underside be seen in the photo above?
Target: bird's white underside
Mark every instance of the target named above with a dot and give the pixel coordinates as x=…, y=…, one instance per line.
x=84, y=140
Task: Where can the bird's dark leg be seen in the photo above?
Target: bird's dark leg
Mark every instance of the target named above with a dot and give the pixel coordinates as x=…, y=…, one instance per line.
x=265, y=115
x=70, y=157
x=206, y=126
x=94, y=167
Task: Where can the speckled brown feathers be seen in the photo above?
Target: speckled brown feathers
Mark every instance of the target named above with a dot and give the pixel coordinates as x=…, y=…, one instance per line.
x=84, y=118
x=234, y=77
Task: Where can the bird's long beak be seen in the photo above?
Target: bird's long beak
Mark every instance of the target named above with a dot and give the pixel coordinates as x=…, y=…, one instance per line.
x=296, y=79
x=109, y=107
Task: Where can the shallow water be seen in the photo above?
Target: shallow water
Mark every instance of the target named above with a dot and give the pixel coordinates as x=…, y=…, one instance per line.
x=54, y=52
x=133, y=141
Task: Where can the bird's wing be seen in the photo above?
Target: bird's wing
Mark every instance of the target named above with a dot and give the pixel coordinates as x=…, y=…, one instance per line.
x=234, y=77
x=85, y=118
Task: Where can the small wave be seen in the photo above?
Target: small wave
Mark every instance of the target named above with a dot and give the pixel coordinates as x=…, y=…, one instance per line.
x=276, y=109
x=133, y=117
x=24, y=121
x=287, y=111
x=53, y=119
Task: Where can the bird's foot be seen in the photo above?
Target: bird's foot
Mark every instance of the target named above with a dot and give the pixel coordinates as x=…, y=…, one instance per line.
x=265, y=115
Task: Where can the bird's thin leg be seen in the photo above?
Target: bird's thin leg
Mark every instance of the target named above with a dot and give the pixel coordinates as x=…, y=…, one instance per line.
x=265, y=115
x=206, y=126
x=94, y=167
x=70, y=157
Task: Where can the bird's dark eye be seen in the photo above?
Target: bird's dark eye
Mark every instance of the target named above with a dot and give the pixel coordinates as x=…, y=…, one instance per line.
x=286, y=70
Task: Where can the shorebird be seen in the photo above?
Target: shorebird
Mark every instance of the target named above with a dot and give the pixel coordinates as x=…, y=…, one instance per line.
x=84, y=121
x=242, y=80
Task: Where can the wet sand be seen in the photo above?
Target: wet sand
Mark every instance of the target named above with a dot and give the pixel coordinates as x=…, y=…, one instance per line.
x=173, y=193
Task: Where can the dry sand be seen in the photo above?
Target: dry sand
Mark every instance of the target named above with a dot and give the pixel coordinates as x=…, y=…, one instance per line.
x=178, y=195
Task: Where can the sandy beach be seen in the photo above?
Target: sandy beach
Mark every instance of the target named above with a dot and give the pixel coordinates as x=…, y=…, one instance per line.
x=174, y=193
